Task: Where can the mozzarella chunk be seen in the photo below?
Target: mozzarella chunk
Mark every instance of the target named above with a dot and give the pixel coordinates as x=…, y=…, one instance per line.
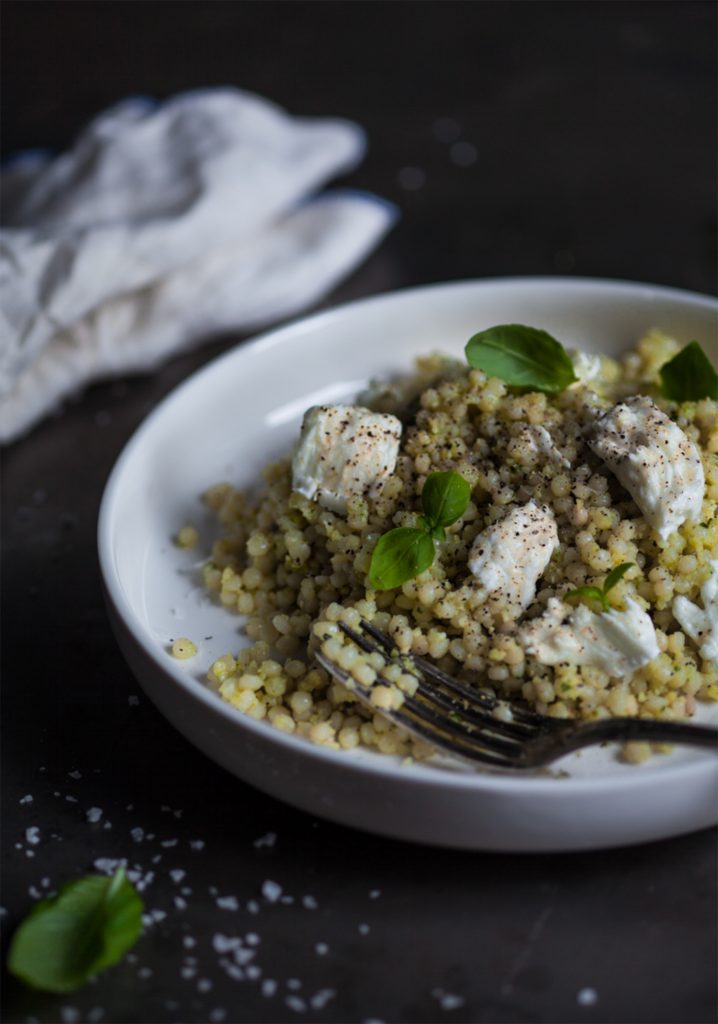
x=586, y=365
x=617, y=642
x=538, y=440
x=343, y=451
x=656, y=462
x=701, y=624
x=508, y=558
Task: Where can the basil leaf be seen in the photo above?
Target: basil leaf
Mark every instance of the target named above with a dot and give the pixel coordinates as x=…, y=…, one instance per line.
x=524, y=357
x=400, y=555
x=689, y=376
x=445, y=497
x=615, y=576
x=88, y=926
x=591, y=592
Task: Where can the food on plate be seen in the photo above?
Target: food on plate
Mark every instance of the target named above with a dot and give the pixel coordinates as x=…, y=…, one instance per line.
x=540, y=521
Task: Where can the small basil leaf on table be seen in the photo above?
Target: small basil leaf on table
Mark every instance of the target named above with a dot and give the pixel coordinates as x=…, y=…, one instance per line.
x=445, y=497
x=689, y=376
x=67, y=939
x=400, y=555
x=524, y=357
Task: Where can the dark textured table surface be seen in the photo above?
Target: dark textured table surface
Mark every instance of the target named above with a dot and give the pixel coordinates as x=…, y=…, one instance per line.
x=577, y=139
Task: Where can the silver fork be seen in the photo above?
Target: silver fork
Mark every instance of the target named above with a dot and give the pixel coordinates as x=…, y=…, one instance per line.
x=482, y=729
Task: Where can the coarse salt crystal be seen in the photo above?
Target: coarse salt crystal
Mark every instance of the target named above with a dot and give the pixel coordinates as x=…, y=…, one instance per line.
x=271, y=890
x=32, y=835
x=26, y=799
x=309, y=903
x=296, y=1003
x=321, y=949
x=177, y=874
x=227, y=902
x=269, y=988
x=93, y=814
x=587, y=997
x=320, y=999
x=196, y=844
x=267, y=840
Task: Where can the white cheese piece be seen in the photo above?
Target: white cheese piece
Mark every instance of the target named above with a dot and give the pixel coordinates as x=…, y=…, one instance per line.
x=508, y=558
x=701, y=624
x=617, y=642
x=538, y=439
x=586, y=365
x=656, y=462
x=343, y=451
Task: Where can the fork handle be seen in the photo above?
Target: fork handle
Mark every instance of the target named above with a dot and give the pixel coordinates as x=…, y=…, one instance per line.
x=585, y=734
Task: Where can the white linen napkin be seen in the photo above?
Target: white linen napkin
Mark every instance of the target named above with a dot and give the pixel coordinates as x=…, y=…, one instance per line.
x=162, y=227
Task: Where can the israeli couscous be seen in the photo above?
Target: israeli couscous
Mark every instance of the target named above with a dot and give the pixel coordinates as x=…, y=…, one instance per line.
x=557, y=498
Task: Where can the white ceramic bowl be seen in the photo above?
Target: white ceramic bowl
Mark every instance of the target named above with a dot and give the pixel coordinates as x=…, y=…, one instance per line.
x=243, y=409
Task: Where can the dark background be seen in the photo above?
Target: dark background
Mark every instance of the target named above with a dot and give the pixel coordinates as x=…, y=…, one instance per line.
x=594, y=153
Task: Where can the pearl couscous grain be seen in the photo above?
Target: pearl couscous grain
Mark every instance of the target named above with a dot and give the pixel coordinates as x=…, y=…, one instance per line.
x=293, y=568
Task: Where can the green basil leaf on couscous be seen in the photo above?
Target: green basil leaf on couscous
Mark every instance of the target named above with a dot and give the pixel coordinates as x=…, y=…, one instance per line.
x=689, y=376
x=600, y=594
x=445, y=497
x=67, y=939
x=400, y=555
x=524, y=357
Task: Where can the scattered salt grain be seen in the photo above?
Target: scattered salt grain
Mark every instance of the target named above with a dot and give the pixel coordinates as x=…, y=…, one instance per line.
x=252, y=939
x=227, y=902
x=177, y=874
x=271, y=890
x=75, y=774
x=179, y=903
x=267, y=840
x=45, y=883
x=309, y=903
x=321, y=949
x=320, y=999
x=93, y=815
x=225, y=943
x=269, y=988
x=29, y=853
x=69, y=1014
x=26, y=799
x=295, y=1003
x=32, y=835
x=294, y=984
x=364, y=929
x=107, y=865
x=218, y=1015
x=252, y=906
x=374, y=894
x=168, y=843
x=188, y=973
x=71, y=799
x=204, y=985
x=35, y=893
x=587, y=997
x=253, y=972
x=196, y=844
x=463, y=154
x=145, y=972
x=138, y=834
x=188, y=942
x=447, y=1000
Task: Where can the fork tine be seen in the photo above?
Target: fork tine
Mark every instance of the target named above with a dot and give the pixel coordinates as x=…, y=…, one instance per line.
x=432, y=696
x=433, y=672
x=467, y=749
